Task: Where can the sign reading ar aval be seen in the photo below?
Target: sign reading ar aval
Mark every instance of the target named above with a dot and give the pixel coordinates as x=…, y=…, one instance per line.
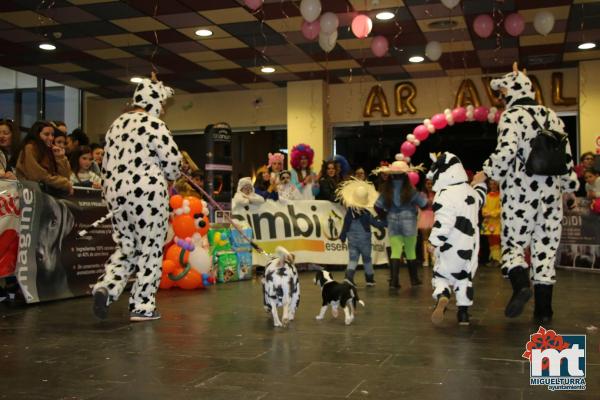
x=467, y=94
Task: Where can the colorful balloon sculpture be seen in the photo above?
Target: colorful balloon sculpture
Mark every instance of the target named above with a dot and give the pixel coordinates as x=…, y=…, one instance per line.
x=187, y=262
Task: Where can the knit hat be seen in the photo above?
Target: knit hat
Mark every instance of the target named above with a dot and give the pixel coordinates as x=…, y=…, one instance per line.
x=273, y=157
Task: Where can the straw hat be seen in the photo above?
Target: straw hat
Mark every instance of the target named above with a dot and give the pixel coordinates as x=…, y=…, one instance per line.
x=400, y=166
x=357, y=194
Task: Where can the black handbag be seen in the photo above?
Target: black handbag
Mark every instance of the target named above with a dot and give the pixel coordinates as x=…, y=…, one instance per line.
x=548, y=156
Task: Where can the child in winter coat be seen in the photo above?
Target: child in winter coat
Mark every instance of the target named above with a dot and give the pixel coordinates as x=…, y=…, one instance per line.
x=245, y=194
x=359, y=198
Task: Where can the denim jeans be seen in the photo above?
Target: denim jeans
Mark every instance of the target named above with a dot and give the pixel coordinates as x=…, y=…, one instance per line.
x=359, y=244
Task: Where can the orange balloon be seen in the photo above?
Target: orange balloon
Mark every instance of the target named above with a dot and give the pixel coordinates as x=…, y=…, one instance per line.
x=184, y=226
x=195, y=205
x=169, y=266
x=203, y=225
x=192, y=280
x=165, y=282
x=176, y=201
x=173, y=254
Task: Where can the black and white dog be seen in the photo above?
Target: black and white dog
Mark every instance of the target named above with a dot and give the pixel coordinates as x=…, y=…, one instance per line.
x=281, y=287
x=337, y=294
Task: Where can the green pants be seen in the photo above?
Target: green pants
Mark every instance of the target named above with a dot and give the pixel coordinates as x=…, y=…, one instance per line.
x=406, y=243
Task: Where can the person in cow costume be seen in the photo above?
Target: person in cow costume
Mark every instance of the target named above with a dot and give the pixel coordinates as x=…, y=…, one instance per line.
x=454, y=235
x=531, y=204
x=140, y=158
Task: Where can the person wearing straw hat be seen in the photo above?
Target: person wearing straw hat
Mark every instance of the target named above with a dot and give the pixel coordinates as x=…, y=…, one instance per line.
x=400, y=200
x=359, y=198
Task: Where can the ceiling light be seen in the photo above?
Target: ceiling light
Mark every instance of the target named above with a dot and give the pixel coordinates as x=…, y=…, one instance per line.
x=136, y=79
x=47, y=46
x=385, y=15
x=267, y=70
x=416, y=59
x=586, y=46
x=204, y=32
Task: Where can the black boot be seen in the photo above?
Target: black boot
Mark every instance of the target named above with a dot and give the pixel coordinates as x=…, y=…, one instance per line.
x=394, y=274
x=542, y=313
x=370, y=279
x=350, y=276
x=413, y=272
x=519, y=279
x=463, y=315
x=437, y=317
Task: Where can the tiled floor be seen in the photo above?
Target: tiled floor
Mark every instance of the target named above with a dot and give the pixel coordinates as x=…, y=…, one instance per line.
x=220, y=344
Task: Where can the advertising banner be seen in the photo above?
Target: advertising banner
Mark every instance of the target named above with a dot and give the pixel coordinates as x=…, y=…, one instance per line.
x=580, y=238
x=308, y=228
x=9, y=226
x=53, y=262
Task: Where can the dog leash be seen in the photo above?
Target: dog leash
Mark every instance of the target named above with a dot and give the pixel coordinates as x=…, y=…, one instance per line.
x=215, y=204
x=95, y=224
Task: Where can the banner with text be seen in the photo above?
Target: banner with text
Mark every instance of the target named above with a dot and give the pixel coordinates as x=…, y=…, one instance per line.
x=53, y=261
x=310, y=229
x=9, y=226
x=580, y=239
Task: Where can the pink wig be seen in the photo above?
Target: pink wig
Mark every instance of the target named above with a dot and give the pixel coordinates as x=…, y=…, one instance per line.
x=275, y=157
x=299, y=151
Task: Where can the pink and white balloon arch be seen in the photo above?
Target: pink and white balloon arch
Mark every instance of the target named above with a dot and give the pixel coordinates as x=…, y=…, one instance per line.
x=442, y=120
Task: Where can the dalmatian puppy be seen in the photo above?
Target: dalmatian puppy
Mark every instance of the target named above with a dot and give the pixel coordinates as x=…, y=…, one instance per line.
x=455, y=235
x=281, y=287
x=531, y=204
x=140, y=158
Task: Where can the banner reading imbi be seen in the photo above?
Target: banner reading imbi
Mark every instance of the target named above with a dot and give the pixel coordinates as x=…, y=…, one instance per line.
x=310, y=229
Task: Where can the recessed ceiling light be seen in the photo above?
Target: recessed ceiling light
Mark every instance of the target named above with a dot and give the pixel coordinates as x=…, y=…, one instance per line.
x=586, y=46
x=47, y=46
x=136, y=79
x=416, y=59
x=204, y=32
x=385, y=15
x=267, y=70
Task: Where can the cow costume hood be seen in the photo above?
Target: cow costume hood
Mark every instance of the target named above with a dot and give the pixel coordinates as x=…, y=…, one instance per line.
x=150, y=95
x=517, y=83
x=446, y=170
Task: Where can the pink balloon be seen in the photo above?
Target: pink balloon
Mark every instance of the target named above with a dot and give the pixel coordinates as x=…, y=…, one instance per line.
x=514, y=24
x=253, y=4
x=379, y=46
x=421, y=132
x=480, y=114
x=439, y=121
x=361, y=26
x=459, y=114
x=497, y=116
x=311, y=30
x=483, y=25
x=408, y=149
x=413, y=177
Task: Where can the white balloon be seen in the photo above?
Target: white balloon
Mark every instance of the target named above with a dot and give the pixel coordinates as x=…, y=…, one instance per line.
x=430, y=128
x=543, y=22
x=470, y=115
x=327, y=41
x=433, y=50
x=491, y=118
x=449, y=118
x=310, y=9
x=450, y=4
x=426, y=122
x=451, y=122
x=493, y=110
x=447, y=111
x=200, y=260
x=329, y=22
x=416, y=142
x=399, y=157
x=470, y=108
x=410, y=137
x=407, y=159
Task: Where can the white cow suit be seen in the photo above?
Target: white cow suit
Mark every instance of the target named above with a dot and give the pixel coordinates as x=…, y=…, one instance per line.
x=140, y=157
x=531, y=204
x=455, y=233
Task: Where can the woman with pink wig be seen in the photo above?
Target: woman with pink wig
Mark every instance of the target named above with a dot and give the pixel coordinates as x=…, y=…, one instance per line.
x=303, y=177
x=275, y=165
